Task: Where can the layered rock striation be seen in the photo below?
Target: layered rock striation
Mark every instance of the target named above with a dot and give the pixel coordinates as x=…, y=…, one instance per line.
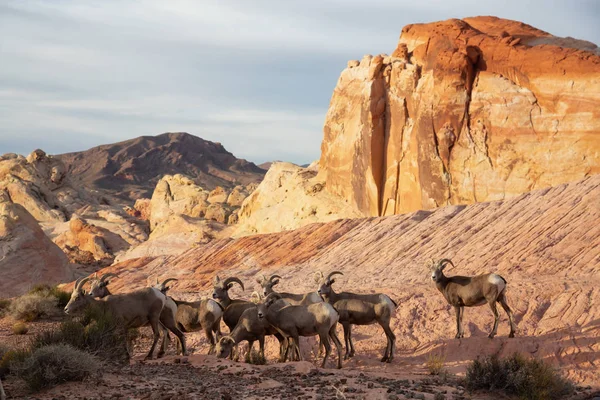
x=463, y=111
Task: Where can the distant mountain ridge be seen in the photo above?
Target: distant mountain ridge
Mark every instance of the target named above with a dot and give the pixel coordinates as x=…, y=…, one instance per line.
x=132, y=168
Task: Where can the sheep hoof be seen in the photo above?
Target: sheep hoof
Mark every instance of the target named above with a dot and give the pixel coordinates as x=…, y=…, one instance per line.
x=389, y=360
x=491, y=335
x=160, y=355
x=512, y=335
x=384, y=359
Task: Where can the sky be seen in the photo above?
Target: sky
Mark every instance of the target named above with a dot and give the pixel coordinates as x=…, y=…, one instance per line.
x=256, y=76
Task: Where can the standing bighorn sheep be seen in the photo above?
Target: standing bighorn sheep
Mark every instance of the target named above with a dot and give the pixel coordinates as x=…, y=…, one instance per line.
x=134, y=309
x=359, y=309
x=471, y=291
x=99, y=289
x=292, y=298
x=295, y=321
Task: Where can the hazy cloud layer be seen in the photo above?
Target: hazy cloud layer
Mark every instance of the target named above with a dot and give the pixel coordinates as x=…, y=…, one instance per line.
x=256, y=76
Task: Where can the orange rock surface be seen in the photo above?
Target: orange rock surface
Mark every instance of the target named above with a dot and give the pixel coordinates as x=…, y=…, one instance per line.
x=463, y=111
x=546, y=244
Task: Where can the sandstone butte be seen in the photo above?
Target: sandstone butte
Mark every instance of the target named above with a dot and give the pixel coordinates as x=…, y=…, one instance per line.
x=463, y=111
x=545, y=243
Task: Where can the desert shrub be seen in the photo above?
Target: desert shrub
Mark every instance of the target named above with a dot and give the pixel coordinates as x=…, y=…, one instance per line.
x=10, y=358
x=4, y=305
x=54, y=364
x=256, y=358
x=515, y=375
x=51, y=291
x=435, y=364
x=20, y=328
x=96, y=332
x=32, y=306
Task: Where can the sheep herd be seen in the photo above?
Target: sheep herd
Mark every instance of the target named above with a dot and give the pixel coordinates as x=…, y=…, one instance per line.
x=286, y=316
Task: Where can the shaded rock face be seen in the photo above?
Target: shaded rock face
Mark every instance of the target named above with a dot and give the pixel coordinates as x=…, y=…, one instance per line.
x=463, y=111
x=27, y=255
x=546, y=244
x=132, y=168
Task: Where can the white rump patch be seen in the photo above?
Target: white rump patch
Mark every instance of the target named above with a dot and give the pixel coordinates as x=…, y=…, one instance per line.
x=214, y=308
x=497, y=281
x=386, y=299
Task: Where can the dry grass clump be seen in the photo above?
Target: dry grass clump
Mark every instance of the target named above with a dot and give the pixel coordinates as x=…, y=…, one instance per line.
x=4, y=304
x=41, y=301
x=435, y=364
x=55, y=364
x=517, y=376
x=20, y=328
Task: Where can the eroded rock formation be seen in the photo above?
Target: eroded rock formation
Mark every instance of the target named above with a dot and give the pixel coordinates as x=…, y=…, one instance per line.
x=463, y=111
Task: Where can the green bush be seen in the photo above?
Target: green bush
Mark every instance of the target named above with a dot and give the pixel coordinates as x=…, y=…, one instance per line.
x=54, y=364
x=20, y=328
x=96, y=332
x=32, y=306
x=51, y=291
x=515, y=375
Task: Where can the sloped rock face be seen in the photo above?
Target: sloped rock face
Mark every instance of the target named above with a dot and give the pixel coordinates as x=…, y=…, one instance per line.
x=546, y=244
x=27, y=255
x=463, y=111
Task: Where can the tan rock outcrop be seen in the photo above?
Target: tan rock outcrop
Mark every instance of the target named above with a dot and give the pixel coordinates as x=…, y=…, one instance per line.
x=142, y=206
x=219, y=212
x=27, y=255
x=176, y=194
x=289, y=197
x=237, y=196
x=218, y=195
x=463, y=111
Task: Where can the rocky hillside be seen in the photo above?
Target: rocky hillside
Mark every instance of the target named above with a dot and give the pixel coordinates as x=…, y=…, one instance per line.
x=463, y=111
x=546, y=244
x=132, y=168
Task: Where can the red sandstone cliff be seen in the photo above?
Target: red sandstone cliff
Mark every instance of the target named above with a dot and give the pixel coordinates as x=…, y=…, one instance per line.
x=463, y=111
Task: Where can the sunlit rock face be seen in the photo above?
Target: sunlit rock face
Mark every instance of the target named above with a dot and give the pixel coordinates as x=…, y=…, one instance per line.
x=463, y=111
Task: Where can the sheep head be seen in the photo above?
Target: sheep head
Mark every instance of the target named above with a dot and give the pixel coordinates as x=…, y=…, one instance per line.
x=267, y=302
x=163, y=286
x=437, y=269
x=224, y=346
x=98, y=287
x=267, y=284
x=79, y=299
x=221, y=288
x=325, y=282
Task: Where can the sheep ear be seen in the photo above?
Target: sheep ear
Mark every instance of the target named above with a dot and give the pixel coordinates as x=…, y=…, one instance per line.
x=216, y=279
x=331, y=282
x=318, y=276
x=258, y=280
x=275, y=282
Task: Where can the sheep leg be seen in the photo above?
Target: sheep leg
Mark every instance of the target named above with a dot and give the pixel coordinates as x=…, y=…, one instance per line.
x=247, y=358
x=338, y=344
x=325, y=340
x=168, y=322
x=261, y=345
x=154, y=323
x=208, y=331
x=502, y=301
x=391, y=342
x=346, y=340
x=163, y=345
x=350, y=341
x=296, y=348
x=459, y=314
x=496, y=318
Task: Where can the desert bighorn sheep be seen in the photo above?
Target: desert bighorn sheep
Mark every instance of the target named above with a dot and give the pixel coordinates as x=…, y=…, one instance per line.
x=204, y=314
x=134, y=309
x=251, y=328
x=99, y=289
x=471, y=291
x=233, y=308
x=295, y=321
x=359, y=309
x=292, y=298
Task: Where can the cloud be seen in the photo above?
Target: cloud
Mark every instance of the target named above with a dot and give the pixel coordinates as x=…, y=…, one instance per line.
x=256, y=76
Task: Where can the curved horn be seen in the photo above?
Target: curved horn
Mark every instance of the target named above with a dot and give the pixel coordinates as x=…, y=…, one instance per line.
x=274, y=277
x=231, y=279
x=106, y=276
x=318, y=276
x=273, y=295
x=442, y=263
x=333, y=273
x=77, y=283
x=168, y=280
x=82, y=283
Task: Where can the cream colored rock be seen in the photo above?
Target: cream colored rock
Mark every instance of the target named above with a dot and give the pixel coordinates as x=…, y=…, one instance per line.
x=289, y=197
x=218, y=195
x=175, y=194
x=219, y=212
x=464, y=113
x=237, y=196
x=27, y=255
